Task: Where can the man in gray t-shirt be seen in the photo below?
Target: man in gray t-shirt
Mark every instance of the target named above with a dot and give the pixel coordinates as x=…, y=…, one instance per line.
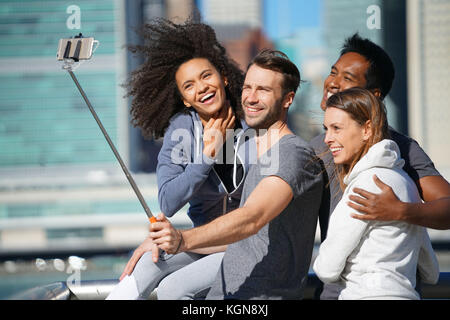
x=274, y=263
x=271, y=235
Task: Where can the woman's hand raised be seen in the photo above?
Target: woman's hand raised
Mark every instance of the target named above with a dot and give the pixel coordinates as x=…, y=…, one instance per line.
x=215, y=131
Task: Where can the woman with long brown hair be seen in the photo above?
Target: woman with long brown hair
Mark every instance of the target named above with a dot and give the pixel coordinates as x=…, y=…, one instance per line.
x=370, y=259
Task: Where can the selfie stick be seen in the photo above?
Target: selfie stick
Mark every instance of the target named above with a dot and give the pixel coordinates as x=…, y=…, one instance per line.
x=68, y=62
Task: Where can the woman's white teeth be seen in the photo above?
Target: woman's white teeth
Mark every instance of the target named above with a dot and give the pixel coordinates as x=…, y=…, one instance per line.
x=334, y=149
x=329, y=94
x=206, y=97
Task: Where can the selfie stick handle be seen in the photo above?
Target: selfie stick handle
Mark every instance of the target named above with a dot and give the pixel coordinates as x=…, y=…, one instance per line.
x=113, y=148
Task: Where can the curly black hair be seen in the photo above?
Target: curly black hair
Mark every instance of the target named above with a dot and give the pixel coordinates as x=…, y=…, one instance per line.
x=167, y=45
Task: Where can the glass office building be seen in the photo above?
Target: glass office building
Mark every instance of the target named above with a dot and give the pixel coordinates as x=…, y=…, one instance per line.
x=59, y=181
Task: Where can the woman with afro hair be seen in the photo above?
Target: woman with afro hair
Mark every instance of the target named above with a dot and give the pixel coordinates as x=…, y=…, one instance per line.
x=188, y=91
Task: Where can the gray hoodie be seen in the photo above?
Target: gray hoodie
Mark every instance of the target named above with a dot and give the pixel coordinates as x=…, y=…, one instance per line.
x=186, y=175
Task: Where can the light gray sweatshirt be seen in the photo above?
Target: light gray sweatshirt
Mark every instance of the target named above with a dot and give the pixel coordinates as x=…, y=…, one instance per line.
x=376, y=259
x=186, y=175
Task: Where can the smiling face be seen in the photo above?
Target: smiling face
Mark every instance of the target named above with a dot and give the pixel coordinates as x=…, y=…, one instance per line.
x=348, y=72
x=201, y=86
x=262, y=97
x=344, y=136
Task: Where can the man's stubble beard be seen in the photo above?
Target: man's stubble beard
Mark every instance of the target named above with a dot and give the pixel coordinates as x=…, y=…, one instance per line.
x=270, y=118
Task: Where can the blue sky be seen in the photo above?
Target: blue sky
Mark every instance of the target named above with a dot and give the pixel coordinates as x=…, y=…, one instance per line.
x=283, y=17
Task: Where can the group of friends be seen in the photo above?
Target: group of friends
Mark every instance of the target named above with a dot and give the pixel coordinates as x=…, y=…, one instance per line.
x=256, y=191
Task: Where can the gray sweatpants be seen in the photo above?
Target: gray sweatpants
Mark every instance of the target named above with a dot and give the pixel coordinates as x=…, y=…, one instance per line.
x=179, y=276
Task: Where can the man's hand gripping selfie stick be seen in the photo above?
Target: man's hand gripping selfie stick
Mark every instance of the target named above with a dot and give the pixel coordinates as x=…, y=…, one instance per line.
x=68, y=62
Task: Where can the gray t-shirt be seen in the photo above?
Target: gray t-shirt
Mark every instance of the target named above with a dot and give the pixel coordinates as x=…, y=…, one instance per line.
x=274, y=263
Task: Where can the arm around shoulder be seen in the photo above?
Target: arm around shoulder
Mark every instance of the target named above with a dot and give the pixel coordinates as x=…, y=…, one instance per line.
x=435, y=211
x=433, y=188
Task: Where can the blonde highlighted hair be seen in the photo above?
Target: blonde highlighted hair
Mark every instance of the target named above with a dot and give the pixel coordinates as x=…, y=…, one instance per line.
x=362, y=106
